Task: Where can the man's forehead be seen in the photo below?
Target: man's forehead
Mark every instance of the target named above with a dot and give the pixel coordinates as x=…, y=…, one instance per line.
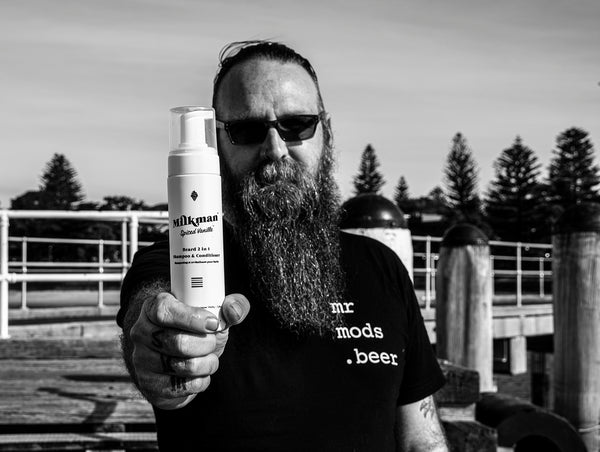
x=265, y=84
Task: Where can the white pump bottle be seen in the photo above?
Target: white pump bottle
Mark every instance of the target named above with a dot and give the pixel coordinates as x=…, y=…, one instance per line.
x=195, y=210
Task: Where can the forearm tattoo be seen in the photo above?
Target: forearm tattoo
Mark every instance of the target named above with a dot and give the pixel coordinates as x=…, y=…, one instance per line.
x=427, y=407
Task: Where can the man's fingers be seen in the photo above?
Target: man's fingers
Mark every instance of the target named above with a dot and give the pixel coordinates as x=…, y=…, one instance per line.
x=191, y=367
x=235, y=309
x=165, y=310
x=162, y=363
x=180, y=344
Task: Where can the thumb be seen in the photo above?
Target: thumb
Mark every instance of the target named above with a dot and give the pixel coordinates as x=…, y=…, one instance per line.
x=235, y=309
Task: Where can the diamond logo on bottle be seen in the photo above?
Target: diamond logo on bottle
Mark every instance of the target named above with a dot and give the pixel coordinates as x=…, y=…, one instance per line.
x=194, y=195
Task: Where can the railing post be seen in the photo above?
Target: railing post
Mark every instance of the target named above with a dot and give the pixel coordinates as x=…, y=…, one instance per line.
x=493, y=275
x=24, y=271
x=124, y=255
x=541, y=267
x=100, y=270
x=434, y=259
x=519, y=276
x=4, y=275
x=133, y=236
x=428, y=272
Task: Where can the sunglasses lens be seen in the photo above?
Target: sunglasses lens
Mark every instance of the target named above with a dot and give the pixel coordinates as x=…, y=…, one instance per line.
x=297, y=128
x=247, y=132
x=291, y=128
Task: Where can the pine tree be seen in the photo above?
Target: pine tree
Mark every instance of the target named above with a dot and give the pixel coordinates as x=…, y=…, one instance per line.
x=461, y=182
x=401, y=195
x=573, y=177
x=513, y=200
x=59, y=184
x=368, y=179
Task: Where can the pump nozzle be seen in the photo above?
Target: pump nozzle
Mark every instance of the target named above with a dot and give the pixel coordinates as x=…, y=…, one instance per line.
x=192, y=128
x=193, y=141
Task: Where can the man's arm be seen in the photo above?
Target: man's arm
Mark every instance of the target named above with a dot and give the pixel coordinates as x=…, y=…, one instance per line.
x=418, y=428
x=171, y=349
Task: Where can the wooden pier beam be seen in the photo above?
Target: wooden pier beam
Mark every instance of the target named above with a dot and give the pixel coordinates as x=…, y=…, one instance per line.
x=576, y=287
x=464, y=302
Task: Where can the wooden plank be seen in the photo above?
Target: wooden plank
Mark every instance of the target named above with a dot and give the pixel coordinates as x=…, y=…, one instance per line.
x=508, y=321
x=20, y=316
x=78, y=441
x=93, y=392
x=59, y=348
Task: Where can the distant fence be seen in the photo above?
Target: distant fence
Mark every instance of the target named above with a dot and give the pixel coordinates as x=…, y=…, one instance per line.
x=519, y=268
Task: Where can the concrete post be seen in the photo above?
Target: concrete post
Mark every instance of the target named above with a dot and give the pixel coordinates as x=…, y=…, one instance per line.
x=576, y=299
x=464, y=302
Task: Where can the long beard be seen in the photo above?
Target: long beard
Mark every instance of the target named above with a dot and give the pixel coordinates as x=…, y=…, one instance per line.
x=287, y=224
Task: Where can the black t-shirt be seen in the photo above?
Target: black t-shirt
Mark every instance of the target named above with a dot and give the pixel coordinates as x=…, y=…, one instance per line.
x=276, y=392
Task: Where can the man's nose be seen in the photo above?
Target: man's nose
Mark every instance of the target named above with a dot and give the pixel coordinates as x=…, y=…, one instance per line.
x=273, y=147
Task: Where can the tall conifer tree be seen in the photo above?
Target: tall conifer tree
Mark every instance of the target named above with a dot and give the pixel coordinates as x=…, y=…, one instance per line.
x=401, y=195
x=368, y=179
x=512, y=202
x=461, y=182
x=573, y=176
x=60, y=187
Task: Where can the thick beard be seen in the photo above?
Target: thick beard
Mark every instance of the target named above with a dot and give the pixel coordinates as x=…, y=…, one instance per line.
x=286, y=220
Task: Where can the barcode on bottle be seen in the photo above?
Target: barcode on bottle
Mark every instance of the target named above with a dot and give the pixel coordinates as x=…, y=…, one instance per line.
x=197, y=281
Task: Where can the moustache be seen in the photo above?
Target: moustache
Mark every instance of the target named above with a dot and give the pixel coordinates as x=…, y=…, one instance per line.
x=278, y=190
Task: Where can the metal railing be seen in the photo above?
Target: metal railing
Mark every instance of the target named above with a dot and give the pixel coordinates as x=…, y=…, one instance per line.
x=513, y=263
x=129, y=244
x=516, y=262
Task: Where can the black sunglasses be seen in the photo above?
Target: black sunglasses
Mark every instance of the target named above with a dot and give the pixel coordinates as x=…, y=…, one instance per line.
x=253, y=131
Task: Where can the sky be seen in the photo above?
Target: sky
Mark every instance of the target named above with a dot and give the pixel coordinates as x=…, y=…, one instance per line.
x=94, y=80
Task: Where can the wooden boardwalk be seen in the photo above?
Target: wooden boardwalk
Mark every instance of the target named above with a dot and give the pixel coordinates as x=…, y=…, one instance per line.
x=58, y=392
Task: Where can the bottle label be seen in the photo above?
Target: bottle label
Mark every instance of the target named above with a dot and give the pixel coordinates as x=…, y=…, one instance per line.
x=196, y=240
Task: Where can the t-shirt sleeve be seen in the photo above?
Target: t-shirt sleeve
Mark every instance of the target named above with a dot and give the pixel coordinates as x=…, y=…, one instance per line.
x=149, y=264
x=422, y=375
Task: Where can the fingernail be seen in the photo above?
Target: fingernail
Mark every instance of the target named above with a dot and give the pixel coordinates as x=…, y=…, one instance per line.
x=212, y=323
x=238, y=309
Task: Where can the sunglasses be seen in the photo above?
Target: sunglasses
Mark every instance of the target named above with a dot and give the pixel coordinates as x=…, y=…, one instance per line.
x=289, y=128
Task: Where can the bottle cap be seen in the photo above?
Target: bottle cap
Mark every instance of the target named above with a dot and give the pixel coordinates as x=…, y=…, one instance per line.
x=193, y=141
x=193, y=129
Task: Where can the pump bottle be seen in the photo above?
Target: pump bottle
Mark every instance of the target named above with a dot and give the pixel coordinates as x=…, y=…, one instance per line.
x=195, y=210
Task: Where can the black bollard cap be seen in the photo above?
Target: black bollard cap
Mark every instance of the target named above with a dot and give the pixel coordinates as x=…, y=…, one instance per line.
x=371, y=211
x=463, y=234
x=584, y=217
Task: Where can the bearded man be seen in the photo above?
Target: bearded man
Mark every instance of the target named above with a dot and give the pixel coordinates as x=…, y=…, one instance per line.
x=334, y=355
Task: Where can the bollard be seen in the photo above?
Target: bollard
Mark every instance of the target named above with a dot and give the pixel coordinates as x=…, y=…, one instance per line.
x=463, y=316
x=576, y=299
x=377, y=217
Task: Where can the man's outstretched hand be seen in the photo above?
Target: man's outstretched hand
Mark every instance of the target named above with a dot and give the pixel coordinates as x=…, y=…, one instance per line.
x=176, y=348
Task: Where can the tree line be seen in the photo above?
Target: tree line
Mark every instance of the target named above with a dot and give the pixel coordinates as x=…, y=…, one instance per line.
x=60, y=189
x=519, y=204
